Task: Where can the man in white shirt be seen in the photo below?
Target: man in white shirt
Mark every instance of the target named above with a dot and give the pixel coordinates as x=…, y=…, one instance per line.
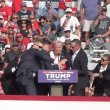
x=68, y=20
x=67, y=35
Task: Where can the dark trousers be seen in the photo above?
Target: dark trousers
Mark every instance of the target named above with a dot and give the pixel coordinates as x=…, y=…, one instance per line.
x=26, y=85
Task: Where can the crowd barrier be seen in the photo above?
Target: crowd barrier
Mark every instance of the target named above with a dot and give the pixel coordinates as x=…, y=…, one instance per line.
x=21, y=102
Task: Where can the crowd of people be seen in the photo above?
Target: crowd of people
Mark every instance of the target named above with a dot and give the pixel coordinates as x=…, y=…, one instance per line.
x=51, y=39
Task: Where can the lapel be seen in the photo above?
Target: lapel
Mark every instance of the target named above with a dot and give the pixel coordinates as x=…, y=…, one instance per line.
x=62, y=56
x=77, y=57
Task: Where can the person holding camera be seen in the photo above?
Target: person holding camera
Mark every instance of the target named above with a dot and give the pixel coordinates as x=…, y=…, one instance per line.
x=102, y=25
x=68, y=20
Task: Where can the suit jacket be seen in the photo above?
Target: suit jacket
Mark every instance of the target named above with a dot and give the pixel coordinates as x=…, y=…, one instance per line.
x=106, y=76
x=31, y=59
x=47, y=65
x=80, y=63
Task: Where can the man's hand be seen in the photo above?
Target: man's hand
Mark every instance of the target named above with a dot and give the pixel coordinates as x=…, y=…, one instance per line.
x=62, y=62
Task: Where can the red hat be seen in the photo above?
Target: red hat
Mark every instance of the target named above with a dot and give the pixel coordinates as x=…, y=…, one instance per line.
x=19, y=35
x=5, y=30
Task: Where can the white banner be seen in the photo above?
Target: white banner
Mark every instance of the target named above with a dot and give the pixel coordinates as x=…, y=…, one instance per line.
x=53, y=103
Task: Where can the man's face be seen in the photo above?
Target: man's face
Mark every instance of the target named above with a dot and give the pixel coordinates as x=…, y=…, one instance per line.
x=43, y=22
x=38, y=46
x=74, y=46
x=68, y=47
x=3, y=35
x=35, y=3
x=48, y=6
x=19, y=39
x=67, y=33
x=68, y=15
x=24, y=7
x=46, y=47
x=15, y=48
x=58, y=48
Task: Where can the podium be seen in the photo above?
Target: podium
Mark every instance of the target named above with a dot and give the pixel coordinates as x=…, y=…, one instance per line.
x=57, y=78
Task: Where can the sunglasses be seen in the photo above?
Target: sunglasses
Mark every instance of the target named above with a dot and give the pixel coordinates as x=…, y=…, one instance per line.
x=1, y=18
x=68, y=12
x=49, y=21
x=32, y=18
x=23, y=22
x=42, y=22
x=40, y=47
x=15, y=18
x=102, y=59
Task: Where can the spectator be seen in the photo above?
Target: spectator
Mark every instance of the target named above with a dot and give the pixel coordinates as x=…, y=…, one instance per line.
x=22, y=42
x=63, y=4
x=37, y=9
x=11, y=55
x=107, y=4
x=102, y=25
x=70, y=21
x=53, y=28
x=12, y=23
x=25, y=27
x=3, y=37
x=10, y=37
x=88, y=11
x=24, y=12
x=45, y=28
x=35, y=25
x=16, y=5
x=67, y=35
x=5, y=10
x=3, y=22
x=50, y=11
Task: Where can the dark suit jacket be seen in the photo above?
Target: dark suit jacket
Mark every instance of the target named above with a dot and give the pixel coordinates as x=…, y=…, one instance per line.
x=80, y=63
x=105, y=80
x=47, y=65
x=31, y=59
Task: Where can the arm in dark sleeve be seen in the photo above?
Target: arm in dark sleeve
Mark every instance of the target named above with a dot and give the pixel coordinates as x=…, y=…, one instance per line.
x=43, y=56
x=49, y=66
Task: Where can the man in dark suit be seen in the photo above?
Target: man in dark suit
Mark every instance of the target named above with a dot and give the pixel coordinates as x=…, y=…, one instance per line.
x=101, y=76
x=79, y=62
x=29, y=65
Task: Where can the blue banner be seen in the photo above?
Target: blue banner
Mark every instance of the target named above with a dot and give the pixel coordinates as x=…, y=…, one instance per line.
x=58, y=76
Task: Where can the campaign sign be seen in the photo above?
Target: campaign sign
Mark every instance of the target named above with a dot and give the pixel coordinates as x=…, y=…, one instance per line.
x=57, y=76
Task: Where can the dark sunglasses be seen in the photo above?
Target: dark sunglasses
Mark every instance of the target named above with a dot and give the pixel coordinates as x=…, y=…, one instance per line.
x=15, y=18
x=32, y=18
x=1, y=18
x=68, y=12
x=49, y=21
x=42, y=22
x=102, y=59
x=40, y=47
x=23, y=22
